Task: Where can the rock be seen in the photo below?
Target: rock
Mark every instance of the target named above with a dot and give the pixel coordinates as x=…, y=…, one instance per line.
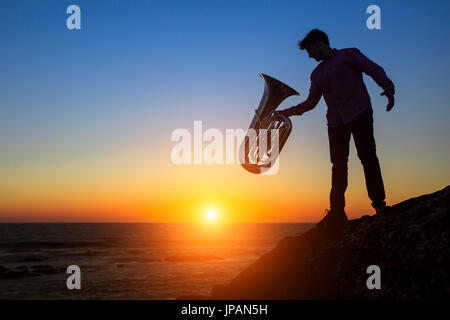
x=411, y=246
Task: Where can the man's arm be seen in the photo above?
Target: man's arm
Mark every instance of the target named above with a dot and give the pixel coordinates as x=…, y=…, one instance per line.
x=310, y=103
x=364, y=64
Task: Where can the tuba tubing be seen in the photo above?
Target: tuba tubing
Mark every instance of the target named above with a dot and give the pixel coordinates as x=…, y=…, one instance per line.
x=259, y=144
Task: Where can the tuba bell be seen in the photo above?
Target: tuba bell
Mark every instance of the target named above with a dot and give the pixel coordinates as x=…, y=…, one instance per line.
x=268, y=130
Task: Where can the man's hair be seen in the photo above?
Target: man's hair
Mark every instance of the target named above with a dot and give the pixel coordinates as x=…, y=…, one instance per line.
x=313, y=36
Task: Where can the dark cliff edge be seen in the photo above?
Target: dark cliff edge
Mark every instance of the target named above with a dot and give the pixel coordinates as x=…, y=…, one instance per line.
x=411, y=246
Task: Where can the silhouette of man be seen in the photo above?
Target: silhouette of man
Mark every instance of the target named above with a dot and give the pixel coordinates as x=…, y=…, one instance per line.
x=338, y=77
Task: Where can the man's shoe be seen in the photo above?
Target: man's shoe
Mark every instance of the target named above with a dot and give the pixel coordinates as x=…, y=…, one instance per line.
x=383, y=211
x=333, y=219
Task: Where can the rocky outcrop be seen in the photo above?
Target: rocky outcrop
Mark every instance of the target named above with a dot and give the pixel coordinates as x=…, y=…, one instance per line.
x=411, y=246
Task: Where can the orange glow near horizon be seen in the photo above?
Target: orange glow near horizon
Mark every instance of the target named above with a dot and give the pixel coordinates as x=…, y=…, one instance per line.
x=137, y=186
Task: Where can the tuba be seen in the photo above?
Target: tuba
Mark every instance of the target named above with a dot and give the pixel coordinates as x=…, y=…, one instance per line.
x=268, y=130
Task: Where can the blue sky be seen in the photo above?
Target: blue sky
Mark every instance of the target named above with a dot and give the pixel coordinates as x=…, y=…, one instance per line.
x=139, y=69
x=151, y=54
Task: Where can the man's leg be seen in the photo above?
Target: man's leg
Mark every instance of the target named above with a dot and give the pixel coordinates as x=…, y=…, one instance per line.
x=339, y=139
x=362, y=130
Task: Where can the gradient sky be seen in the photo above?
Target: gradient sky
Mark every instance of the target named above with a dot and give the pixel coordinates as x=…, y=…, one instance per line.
x=86, y=115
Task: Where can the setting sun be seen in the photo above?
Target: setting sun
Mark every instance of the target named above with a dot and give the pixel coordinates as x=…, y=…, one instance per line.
x=211, y=215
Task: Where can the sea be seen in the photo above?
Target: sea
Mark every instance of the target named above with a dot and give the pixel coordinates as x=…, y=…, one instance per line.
x=130, y=261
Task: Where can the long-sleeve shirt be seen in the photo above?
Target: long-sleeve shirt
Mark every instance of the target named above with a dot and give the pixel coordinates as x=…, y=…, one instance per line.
x=339, y=79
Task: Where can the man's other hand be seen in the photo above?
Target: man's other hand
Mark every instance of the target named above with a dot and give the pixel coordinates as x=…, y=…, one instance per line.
x=390, y=95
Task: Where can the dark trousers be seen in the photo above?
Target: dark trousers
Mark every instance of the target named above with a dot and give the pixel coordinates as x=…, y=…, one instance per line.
x=362, y=130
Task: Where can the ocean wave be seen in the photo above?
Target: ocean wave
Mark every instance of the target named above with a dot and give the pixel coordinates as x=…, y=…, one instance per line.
x=21, y=245
x=24, y=257
x=25, y=271
x=193, y=257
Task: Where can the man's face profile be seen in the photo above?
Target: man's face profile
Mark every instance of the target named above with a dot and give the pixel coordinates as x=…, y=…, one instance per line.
x=314, y=51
